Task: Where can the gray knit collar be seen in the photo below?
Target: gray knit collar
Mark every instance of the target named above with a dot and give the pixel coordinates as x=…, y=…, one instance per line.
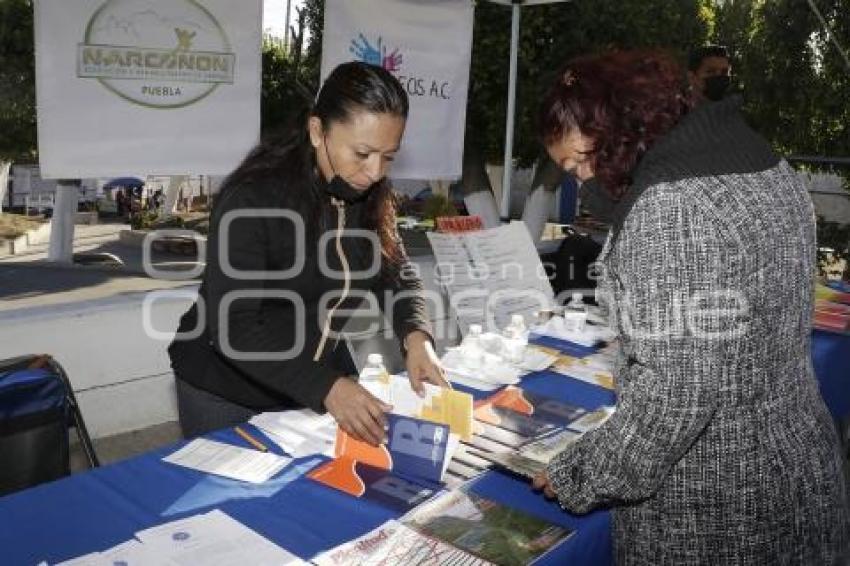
x=711, y=140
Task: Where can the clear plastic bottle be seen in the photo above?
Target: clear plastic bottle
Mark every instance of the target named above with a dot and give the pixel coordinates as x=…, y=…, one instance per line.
x=575, y=314
x=515, y=339
x=518, y=322
x=471, y=348
x=374, y=369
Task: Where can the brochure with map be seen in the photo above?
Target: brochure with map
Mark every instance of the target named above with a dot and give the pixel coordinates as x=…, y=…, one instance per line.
x=485, y=528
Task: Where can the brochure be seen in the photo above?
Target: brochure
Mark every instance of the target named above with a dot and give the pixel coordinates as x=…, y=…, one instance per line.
x=394, y=543
x=412, y=462
x=485, y=528
x=510, y=401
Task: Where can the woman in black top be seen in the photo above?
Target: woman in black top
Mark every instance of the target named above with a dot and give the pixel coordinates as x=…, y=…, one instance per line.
x=302, y=232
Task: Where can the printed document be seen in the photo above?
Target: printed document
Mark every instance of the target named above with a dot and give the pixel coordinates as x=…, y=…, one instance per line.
x=229, y=461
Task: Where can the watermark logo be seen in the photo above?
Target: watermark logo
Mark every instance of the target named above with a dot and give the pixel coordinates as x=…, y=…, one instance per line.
x=156, y=53
x=364, y=51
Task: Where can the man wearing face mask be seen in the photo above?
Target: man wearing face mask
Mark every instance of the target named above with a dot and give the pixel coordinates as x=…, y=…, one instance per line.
x=709, y=72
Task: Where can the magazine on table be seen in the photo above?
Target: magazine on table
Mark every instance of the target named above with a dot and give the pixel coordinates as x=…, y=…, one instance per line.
x=531, y=458
x=525, y=412
x=395, y=543
x=487, y=529
x=520, y=432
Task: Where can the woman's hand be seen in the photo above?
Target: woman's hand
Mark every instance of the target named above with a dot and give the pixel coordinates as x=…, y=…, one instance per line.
x=357, y=411
x=541, y=482
x=423, y=365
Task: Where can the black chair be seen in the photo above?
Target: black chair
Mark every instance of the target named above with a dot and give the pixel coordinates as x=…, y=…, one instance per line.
x=37, y=408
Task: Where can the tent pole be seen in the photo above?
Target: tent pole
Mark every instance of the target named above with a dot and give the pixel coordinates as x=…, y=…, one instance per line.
x=286, y=31
x=509, y=128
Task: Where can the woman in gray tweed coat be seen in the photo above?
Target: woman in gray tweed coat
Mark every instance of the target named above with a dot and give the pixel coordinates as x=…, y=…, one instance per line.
x=721, y=450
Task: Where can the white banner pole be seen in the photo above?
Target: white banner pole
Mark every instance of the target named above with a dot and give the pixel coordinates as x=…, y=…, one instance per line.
x=509, y=128
x=5, y=166
x=61, y=247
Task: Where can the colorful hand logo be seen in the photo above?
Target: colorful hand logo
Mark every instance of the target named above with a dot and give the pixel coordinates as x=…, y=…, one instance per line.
x=364, y=51
x=392, y=62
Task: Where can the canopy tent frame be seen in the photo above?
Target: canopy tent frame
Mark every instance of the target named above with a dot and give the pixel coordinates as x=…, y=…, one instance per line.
x=516, y=10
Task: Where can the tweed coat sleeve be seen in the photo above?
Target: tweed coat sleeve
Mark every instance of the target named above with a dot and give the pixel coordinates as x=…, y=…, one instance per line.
x=673, y=299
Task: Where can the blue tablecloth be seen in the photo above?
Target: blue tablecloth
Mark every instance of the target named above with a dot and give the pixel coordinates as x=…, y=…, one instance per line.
x=96, y=510
x=831, y=360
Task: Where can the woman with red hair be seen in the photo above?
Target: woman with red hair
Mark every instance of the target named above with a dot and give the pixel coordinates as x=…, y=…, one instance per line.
x=721, y=450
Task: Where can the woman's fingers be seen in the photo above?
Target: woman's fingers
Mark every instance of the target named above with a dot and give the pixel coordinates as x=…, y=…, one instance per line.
x=438, y=377
x=415, y=377
x=357, y=411
x=541, y=482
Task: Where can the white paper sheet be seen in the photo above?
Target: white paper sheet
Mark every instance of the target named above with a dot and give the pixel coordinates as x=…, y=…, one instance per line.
x=491, y=275
x=91, y=559
x=229, y=461
x=132, y=553
x=300, y=432
x=591, y=335
x=213, y=539
x=493, y=373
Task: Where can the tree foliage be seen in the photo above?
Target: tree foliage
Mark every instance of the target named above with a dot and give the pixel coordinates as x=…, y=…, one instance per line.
x=284, y=96
x=17, y=82
x=549, y=36
x=795, y=82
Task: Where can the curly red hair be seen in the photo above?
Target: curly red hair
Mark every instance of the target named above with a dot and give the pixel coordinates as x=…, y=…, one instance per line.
x=623, y=100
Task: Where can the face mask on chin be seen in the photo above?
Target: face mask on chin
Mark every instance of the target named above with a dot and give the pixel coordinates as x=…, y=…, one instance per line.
x=339, y=187
x=716, y=87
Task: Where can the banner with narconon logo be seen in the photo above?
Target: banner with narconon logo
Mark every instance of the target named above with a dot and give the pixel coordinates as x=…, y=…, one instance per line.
x=427, y=45
x=154, y=86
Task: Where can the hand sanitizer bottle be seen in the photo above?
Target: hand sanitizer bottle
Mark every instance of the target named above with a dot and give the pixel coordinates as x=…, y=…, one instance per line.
x=575, y=314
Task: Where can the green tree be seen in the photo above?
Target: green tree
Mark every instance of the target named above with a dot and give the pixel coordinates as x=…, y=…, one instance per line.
x=795, y=81
x=314, y=17
x=17, y=82
x=284, y=96
x=549, y=36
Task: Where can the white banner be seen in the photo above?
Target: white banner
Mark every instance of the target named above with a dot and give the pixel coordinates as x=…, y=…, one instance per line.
x=155, y=86
x=427, y=45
